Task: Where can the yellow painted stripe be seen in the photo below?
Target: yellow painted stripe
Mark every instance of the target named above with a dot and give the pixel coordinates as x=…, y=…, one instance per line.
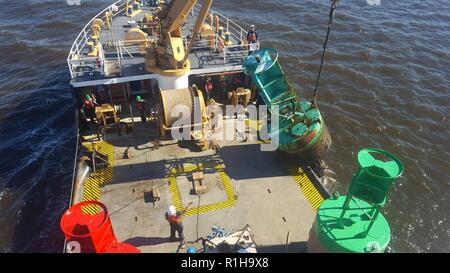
x=311, y=193
x=220, y=169
x=92, y=185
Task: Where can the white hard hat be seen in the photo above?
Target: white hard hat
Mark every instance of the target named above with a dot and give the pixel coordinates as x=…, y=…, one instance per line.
x=172, y=210
x=252, y=26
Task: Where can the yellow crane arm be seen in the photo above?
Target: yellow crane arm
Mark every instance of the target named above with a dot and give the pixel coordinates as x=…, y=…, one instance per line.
x=171, y=53
x=198, y=26
x=177, y=14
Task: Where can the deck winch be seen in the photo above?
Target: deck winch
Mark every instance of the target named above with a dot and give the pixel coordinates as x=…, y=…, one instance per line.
x=189, y=99
x=301, y=129
x=353, y=223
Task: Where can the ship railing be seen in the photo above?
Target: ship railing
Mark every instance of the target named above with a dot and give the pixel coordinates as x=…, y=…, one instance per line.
x=236, y=31
x=202, y=44
x=233, y=51
x=86, y=65
x=219, y=50
x=86, y=33
x=76, y=60
x=131, y=49
x=238, y=51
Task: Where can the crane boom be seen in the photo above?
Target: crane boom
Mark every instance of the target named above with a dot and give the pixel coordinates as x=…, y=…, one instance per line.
x=171, y=56
x=177, y=14
x=198, y=26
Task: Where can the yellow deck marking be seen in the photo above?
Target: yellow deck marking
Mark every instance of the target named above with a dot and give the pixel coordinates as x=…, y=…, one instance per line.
x=176, y=199
x=93, y=184
x=254, y=124
x=313, y=196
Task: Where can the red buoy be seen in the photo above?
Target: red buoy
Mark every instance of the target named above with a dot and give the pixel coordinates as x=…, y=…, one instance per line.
x=87, y=228
x=122, y=248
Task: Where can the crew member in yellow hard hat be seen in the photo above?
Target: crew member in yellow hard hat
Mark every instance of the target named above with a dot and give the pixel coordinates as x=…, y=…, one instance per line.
x=174, y=218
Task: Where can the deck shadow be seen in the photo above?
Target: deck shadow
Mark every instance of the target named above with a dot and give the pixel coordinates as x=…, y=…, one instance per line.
x=241, y=163
x=294, y=247
x=147, y=241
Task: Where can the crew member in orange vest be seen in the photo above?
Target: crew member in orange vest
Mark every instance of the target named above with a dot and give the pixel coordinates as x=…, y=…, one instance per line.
x=174, y=218
x=252, y=37
x=209, y=87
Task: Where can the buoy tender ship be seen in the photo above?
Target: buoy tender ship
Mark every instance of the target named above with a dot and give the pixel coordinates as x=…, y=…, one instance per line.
x=145, y=76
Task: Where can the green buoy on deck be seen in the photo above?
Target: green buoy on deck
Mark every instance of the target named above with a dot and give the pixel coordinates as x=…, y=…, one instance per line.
x=353, y=223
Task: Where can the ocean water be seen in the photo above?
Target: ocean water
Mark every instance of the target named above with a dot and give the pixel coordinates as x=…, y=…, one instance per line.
x=385, y=85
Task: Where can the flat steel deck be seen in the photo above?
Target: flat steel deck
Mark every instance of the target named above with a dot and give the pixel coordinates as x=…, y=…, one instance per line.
x=243, y=186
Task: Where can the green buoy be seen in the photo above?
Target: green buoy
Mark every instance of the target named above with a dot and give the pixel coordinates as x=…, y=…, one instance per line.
x=353, y=223
x=301, y=130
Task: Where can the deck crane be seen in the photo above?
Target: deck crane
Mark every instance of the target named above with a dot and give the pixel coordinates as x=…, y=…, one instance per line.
x=170, y=57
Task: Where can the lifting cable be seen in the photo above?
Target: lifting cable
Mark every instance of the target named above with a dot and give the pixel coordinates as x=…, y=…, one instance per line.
x=330, y=24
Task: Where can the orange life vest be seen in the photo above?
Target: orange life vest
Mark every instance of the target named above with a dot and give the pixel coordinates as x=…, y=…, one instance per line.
x=251, y=37
x=173, y=219
x=209, y=86
x=89, y=104
x=140, y=106
x=221, y=45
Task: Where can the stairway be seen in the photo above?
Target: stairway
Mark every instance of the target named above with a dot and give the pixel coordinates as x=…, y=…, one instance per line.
x=118, y=96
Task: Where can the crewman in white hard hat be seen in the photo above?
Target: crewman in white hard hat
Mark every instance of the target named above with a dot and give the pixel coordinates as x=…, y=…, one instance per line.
x=174, y=218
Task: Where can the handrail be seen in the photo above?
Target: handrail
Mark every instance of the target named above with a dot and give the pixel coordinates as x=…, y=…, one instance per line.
x=75, y=57
x=84, y=34
x=86, y=29
x=229, y=23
